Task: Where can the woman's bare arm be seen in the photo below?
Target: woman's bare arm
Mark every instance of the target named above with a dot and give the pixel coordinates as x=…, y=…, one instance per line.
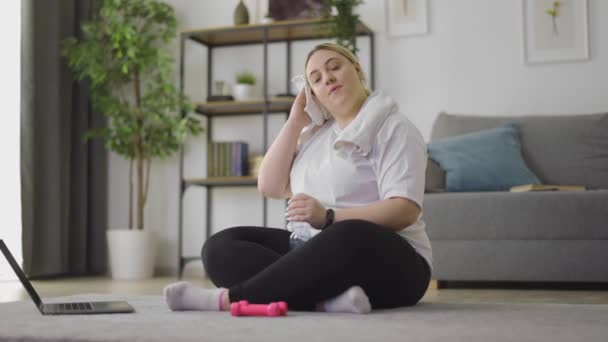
x=273, y=178
x=395, y=213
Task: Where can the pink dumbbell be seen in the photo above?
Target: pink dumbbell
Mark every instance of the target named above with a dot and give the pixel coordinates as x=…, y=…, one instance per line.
x=243, y=308
x=282, y=306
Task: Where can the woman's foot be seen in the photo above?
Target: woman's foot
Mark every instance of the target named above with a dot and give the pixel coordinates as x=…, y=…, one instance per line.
x=185, y=296
x=353, y=300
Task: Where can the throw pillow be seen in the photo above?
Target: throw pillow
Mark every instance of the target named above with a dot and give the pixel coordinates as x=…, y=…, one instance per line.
x=488, y=160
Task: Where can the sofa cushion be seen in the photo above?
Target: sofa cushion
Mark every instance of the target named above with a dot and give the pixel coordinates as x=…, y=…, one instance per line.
x=488, y=160
x=542, y=215
x=565, y=149
x=517, y=260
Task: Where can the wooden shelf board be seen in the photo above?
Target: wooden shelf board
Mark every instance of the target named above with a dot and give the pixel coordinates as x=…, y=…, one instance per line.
x=276, y=105
x=223, y=181
x=278, y=31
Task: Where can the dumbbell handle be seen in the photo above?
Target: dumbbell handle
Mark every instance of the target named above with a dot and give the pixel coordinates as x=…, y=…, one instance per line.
x=282, y=306
x=245, y=309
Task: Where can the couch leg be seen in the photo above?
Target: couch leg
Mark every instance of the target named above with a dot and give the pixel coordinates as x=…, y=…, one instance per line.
x=441, y=284
x=436, y=284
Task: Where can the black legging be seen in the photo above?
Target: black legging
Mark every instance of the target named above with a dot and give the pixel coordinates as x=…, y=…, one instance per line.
x=256, y=264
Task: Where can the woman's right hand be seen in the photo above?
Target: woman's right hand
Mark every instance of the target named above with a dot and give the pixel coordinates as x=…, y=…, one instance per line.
x=297, y=114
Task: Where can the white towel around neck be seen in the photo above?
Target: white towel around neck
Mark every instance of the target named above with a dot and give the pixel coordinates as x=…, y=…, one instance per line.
x=360, y=134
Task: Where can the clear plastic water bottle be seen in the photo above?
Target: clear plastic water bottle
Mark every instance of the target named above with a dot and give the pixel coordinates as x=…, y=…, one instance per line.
x=300, y=233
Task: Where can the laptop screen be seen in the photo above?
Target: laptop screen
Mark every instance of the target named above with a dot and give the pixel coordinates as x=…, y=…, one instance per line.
x=19, y=272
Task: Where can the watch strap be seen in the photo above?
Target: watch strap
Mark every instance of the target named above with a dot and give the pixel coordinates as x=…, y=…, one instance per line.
x=329, y=218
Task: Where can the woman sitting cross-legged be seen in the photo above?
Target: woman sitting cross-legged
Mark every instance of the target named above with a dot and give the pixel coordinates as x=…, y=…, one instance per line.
x=353, y=169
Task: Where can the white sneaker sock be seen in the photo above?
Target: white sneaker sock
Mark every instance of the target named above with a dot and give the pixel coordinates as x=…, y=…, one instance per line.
x=353, y=300
x=185, y=296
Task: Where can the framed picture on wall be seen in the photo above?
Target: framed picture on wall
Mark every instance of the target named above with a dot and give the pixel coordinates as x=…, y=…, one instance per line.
x=406, y=17
x=555, y=31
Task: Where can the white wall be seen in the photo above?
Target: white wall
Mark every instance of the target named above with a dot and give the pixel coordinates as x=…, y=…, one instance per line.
x=470, y=62
x=10, y=196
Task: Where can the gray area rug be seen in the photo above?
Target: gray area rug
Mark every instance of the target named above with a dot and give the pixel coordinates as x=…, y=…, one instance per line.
x=21, y=321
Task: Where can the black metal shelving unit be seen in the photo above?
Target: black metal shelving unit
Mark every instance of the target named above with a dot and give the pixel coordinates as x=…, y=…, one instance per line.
x=264, y=34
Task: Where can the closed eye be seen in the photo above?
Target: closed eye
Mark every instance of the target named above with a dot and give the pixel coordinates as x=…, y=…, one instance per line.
x=332, y=68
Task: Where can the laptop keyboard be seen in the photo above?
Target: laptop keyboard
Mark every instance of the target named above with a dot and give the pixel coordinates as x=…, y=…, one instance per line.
x=76, y=306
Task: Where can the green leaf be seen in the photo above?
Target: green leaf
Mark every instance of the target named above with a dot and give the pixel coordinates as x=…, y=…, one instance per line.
x=123, y=45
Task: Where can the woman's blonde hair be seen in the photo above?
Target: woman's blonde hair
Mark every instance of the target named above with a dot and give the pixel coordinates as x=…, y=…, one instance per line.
x=344, y=52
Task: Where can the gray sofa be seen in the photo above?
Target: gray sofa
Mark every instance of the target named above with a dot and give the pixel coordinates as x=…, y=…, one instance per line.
x=548, y=236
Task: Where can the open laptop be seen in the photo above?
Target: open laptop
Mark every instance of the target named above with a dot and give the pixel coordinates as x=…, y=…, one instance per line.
x=64, y=308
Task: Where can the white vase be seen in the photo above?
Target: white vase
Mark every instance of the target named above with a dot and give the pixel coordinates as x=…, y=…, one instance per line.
x=266, y=20
x=242, y=92
x=132, y=253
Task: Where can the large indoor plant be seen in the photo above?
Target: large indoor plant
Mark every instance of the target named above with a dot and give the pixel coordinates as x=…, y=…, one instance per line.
x=343, y=25
x=130, y=77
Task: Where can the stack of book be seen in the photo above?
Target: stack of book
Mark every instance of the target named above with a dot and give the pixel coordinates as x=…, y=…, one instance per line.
x=547, y=187
x=227, y=158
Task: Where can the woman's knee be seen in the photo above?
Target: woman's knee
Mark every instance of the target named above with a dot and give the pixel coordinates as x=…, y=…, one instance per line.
x=350, y=235
x=218, y=242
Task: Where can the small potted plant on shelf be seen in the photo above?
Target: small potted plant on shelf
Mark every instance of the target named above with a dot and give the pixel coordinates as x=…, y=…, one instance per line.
x=130, y=76
x=243, y=90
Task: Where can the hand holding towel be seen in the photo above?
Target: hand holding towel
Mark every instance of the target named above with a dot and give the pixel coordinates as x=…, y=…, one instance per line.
x=318, y=114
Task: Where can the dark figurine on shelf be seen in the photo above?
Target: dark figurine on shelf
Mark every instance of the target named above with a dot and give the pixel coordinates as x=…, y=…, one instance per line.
x=295, y=9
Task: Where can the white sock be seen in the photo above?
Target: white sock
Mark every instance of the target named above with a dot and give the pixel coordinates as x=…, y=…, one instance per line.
x=185, y=296
x=353, y=300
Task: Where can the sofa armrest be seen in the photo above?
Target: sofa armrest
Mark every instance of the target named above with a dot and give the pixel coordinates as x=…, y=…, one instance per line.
x=434, y=178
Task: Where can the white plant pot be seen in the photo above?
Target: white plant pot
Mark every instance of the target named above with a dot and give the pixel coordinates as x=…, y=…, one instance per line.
x=132, y=253
x=242, y=92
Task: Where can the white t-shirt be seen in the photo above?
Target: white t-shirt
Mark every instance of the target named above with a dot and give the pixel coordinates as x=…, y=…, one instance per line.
x=393, y=167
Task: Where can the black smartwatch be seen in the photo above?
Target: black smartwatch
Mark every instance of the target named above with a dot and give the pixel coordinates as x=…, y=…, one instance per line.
x=329, y=218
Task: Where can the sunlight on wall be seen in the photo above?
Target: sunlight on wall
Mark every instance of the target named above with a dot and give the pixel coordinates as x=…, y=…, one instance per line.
x=10, y=183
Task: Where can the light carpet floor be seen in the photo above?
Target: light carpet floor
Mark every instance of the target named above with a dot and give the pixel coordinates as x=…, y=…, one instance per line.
x=21, y=321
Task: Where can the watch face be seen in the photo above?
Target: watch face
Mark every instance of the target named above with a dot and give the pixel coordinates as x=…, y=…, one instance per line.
x=329, y=216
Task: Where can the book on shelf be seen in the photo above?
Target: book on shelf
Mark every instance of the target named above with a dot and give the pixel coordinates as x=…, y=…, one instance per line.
x=547, y=187
x=224, y=159
x=227, y=158
x=239, y=159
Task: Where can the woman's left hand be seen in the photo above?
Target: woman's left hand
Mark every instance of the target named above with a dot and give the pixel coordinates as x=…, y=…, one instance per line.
x=304, y=208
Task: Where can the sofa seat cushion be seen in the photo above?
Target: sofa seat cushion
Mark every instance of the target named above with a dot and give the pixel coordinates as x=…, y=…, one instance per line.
x=517, y=260
x=546, y=215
